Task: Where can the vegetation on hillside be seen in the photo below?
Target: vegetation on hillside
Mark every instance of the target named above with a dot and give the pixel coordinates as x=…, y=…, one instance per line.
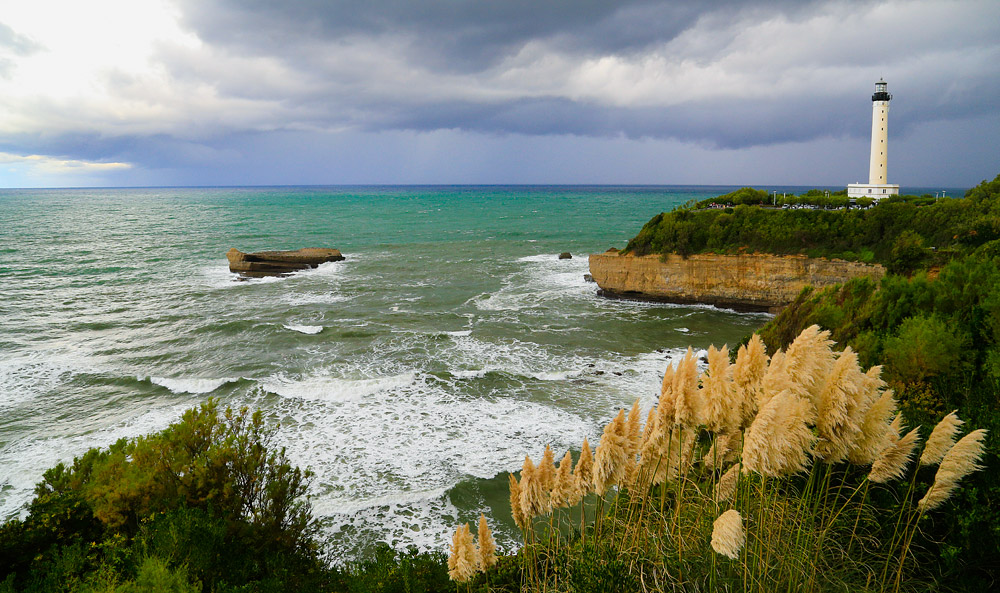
x=901, y=233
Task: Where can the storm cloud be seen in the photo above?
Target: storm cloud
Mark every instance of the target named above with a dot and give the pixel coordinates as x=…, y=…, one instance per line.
x=717, y=77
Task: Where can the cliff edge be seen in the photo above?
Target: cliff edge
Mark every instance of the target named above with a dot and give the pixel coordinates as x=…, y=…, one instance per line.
x=753, y=282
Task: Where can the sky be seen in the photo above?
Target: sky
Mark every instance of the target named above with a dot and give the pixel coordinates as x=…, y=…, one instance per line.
x=709, y=92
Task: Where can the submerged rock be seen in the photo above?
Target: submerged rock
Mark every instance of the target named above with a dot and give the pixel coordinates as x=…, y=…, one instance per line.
x=565, y=255
x=279, y=263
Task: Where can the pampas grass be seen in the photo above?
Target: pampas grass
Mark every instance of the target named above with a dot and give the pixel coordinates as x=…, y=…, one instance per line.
x=941, y=440
x=845, y=397
x=808, y=360
x=546, y=470
x=516, y=511
x=584, y=472
x=687, y=401
x=892, y=464
x=610, y=457
x=779, y=441
x=534, y=498
x=564, y=492
x=960, y=461
x=486, y=546
x=793, y=433
x=722, y=408
x=726, y=486
x=877, y=433
x=727, y=534
x=748, y=378
x=463, y=562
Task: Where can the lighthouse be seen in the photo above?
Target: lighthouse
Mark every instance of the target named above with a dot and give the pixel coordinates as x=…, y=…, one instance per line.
x=877, y=186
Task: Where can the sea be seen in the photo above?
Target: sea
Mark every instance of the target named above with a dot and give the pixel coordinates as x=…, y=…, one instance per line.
x=410, y=378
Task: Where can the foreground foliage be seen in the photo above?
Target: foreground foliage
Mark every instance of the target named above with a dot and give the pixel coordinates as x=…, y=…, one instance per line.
x=785, y=473
x=207, y=504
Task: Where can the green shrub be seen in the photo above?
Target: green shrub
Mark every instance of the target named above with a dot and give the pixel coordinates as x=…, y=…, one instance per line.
x=208, y=500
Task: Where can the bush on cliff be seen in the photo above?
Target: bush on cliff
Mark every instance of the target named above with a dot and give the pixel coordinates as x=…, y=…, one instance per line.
x=904, y=234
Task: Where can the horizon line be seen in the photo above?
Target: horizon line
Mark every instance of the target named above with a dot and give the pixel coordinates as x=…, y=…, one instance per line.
x=458, y=185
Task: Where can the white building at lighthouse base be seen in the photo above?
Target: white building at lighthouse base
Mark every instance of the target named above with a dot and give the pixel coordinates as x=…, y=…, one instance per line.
x=871, y=190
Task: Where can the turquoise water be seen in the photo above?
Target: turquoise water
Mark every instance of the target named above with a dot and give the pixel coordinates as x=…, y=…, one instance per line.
x=410, y=377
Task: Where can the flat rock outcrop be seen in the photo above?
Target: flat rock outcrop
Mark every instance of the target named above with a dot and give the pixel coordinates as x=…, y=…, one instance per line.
x=279, y=263
x=754, y=282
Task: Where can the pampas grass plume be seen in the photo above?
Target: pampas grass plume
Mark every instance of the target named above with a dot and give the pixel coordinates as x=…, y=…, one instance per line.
x=515, y=504
x=687, y=404
x=726, y=487
x=584, y=472
x=547, y=470
x=941, y=440
x=748, y=377
x=534, y=500
x=721, y=408
x=877, y=432
x=633, y=439
x=843, y=402
x=723, y=449
x=564, y=491
x=463, y=561
x=486, y=546
x=779, y=440
x=775, y=380
x=960, y=461
x=808, y=361
x=609, y=459
x=892, y=464
x=727, y=534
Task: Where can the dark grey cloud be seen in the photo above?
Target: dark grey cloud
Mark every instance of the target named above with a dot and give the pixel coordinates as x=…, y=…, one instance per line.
x=441, y=38
x=463, y=35
x=290, y=79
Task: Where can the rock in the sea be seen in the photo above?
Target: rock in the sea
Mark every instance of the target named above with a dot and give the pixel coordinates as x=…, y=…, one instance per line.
x=565, y=255
x=279, y=263
x=588, y=278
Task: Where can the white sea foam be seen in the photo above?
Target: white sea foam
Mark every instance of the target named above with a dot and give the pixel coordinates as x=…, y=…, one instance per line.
x=334, y=389
x=304, y=329
x=193, y=385
x=23, y=460
x=24, y=377
x=391, y=457
x=297, y=299
x=542, y=280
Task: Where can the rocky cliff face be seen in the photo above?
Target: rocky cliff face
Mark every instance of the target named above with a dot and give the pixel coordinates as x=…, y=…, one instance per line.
x=749, y=282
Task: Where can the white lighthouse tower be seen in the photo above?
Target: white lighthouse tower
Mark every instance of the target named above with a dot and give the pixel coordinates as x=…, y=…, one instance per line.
x=877, y=186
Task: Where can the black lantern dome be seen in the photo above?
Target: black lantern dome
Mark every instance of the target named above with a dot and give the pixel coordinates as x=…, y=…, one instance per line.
x=881, y=92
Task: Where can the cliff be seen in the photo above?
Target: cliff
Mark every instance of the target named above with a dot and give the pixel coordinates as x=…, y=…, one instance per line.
x=757, y=282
